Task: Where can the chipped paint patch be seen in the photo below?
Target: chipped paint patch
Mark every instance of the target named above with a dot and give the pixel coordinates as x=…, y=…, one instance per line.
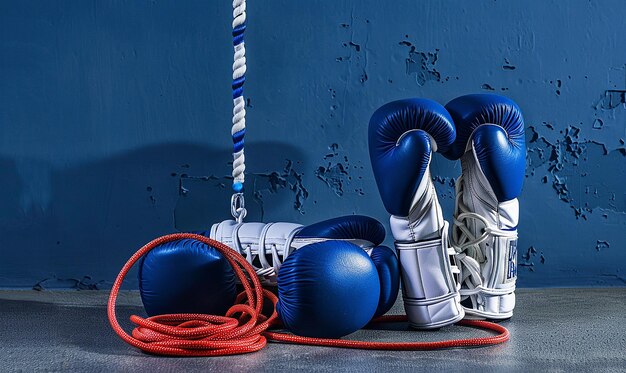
x=446, y=190
x=611, y=99
x=262, y=183
x=356, y=54
x=597, y=124
x=601, y=245
x=334, y=175
x=336, y=172
x=528, y=258
x=508, y=66
x=576, y=169
x=54, y=283
x=272, y=182
x=219, y=182
x=489, y=87
x=421, y=64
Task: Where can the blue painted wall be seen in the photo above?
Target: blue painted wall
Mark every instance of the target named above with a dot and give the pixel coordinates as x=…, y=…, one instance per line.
x=115, y=120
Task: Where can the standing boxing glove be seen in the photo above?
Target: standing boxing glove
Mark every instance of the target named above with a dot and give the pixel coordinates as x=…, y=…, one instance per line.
x=402, y=138
x=490, y=143
x=267, y=246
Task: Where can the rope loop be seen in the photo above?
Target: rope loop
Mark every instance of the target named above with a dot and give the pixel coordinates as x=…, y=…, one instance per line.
x=239, y=331
x=244, y=328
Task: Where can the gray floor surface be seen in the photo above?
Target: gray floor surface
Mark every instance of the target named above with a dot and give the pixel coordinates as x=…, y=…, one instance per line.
x=552, y=330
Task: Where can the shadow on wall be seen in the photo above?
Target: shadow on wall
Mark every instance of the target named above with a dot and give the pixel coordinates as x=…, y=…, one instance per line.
x=97, y=214
x=11, y=187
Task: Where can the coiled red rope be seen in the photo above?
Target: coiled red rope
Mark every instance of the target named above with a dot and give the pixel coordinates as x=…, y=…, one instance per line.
x=244, y=328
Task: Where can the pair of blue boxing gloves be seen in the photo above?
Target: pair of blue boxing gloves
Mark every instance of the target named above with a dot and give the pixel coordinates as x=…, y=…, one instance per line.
x=334, y=277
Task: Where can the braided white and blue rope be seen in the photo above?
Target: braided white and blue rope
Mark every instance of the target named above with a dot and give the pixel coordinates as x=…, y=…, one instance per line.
x=239, y=105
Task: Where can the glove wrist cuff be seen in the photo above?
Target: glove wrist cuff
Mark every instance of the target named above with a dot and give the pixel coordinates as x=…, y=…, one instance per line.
x=430, y=291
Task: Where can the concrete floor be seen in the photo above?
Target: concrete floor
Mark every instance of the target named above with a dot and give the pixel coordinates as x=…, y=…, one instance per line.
x=552, y=330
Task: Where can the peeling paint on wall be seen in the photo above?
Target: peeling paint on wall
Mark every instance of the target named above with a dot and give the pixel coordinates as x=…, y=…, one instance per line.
x=273, y=182
x=85, y=283
x=421, y=64
x=528, y=259
x=615, y=96
x=611, y=99
x=355, y=54
x=446, y=188
x=106, y=144
x=601, y=245
x=338, y=173
x=489, y=87
x=335, y=172
x=261, y=183
x=508, y=65
x=575, y=180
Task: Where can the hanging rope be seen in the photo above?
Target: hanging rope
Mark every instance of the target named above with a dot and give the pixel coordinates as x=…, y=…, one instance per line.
x=238, y=130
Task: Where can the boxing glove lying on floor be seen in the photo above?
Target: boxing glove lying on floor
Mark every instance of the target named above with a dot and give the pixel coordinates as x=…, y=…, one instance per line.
x=336, y=281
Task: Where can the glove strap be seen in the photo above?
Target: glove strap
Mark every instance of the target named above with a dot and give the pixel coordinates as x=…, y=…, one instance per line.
x=429, y=288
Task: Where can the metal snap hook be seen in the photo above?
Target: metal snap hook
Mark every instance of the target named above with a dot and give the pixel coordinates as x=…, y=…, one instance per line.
x=237, y=207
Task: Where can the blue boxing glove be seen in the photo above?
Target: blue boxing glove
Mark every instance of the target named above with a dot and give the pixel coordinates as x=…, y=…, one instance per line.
x=327, y=290
x=186, y=276
x=367, y=233
x=403, y=135
x=491, y=145
x=268, y=246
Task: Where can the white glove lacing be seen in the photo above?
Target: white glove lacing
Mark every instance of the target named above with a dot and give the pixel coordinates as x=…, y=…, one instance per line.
x=467, y=248
x=268, y=270
x=268, y=252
